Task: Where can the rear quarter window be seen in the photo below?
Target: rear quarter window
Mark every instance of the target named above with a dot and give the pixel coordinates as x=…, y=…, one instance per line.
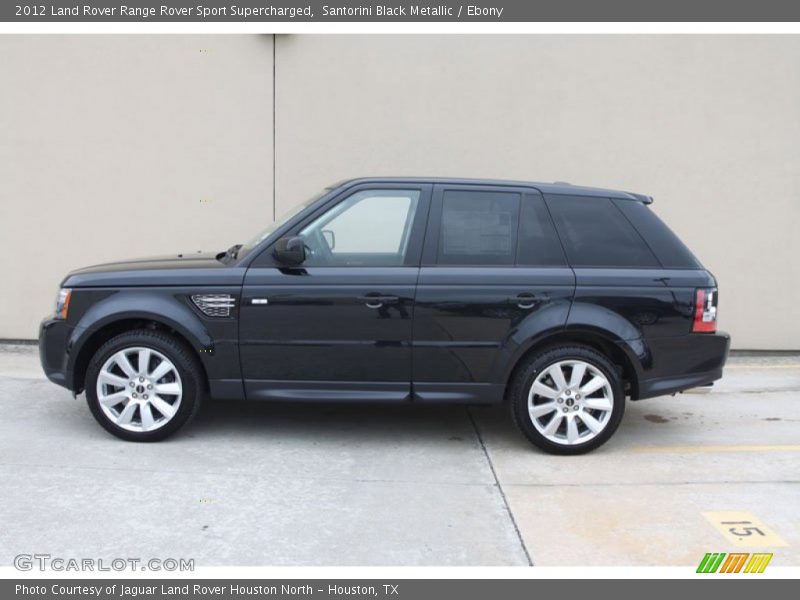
x=595, y=233
x=670, y=250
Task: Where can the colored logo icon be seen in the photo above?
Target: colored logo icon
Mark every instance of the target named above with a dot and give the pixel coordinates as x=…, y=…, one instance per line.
x=736, y=562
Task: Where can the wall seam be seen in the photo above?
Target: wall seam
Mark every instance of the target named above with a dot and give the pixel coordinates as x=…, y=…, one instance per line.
x=274, y=127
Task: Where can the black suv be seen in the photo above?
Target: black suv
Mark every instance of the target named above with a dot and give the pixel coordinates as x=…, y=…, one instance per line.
x=560, y=300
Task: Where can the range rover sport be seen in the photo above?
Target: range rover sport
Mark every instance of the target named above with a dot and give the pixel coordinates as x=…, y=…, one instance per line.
x=561, y=301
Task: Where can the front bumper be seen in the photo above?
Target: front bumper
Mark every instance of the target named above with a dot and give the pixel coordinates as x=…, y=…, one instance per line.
x=54, y=335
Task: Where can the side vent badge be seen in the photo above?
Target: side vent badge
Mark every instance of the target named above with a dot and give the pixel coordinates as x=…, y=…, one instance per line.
x=214, y=305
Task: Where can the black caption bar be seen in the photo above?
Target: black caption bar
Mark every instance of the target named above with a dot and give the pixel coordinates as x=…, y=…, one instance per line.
x=400, y=11
x=372, y=589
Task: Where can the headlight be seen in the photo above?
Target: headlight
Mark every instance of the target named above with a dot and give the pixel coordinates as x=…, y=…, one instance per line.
x=62, y=303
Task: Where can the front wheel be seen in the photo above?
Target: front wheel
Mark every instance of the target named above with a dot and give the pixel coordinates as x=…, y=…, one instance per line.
x=143, y=385
x=567, y=400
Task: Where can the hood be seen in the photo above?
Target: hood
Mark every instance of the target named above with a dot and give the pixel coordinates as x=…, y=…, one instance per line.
x=190, y=268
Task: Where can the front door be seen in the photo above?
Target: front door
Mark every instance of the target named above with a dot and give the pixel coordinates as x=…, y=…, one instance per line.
x=338, y=326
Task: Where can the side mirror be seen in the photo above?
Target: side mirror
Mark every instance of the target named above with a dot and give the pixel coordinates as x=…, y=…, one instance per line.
x=290, y=250
x=330, y=238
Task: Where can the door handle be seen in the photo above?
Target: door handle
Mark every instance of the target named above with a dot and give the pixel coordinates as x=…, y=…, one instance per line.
x=525, y=301
x=378, y=301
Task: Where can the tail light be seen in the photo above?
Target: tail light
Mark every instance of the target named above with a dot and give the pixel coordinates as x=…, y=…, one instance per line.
x=705, y=311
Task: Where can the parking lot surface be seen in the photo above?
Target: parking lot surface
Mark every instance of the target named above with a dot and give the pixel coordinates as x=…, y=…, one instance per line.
x=276, y=484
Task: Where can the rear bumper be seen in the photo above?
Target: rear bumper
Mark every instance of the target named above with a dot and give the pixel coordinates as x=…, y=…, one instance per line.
x=53, y=351
x=670, y=385
x=684, y=363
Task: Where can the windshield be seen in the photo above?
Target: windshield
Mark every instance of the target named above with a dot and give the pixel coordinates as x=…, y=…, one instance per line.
x=284, y=218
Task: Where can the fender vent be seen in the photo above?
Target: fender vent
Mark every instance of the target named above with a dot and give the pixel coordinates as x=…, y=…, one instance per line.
x=214, y=305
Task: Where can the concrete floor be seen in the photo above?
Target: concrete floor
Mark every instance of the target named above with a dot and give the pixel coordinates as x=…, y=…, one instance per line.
x=256, y=484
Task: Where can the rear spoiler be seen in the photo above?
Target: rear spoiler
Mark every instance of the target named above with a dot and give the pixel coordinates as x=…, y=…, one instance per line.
x=642, y=198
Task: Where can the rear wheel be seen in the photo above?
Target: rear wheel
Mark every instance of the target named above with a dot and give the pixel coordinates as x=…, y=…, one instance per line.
x=143, y=385
x=567, y=400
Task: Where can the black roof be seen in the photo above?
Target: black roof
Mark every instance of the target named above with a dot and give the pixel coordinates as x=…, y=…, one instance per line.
x=558, y=187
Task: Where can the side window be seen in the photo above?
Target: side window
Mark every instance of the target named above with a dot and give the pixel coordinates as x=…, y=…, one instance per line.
x=538, y=242
x=669, y=249
x=596, y=234
x=478, y=228
x=369, y=228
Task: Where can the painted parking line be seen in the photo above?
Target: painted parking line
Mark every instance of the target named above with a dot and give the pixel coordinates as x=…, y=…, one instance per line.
x=732, y=448
x=744, y=529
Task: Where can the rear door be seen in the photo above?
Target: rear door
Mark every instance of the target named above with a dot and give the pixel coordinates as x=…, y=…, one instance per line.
x=493, y=275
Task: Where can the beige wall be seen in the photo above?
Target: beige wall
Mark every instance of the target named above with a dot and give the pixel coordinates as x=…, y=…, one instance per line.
x=114, y=147
x=124, y=146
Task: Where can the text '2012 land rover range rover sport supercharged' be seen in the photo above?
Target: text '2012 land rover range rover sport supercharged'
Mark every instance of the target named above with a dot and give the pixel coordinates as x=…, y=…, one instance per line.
x=559, y=300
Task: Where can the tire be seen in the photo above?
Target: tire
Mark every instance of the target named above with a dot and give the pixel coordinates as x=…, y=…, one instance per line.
x=587, y=415
x=144, y=405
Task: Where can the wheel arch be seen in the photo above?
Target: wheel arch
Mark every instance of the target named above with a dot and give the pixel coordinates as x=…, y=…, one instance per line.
x=106, y=321
x=620, y=352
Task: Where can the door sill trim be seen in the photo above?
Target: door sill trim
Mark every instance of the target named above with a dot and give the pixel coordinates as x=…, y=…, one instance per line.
x=327, y=391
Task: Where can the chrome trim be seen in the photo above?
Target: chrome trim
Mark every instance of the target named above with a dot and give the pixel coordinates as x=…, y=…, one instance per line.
x=214, y=305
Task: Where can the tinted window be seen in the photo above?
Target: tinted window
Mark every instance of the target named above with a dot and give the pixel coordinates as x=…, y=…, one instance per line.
x=669, y=249
x=478, y=228
x=596, y=234
x=538, y=243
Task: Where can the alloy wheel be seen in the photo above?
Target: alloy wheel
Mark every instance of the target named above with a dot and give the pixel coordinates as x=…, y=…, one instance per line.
x=570, y=402
x=139, y=389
